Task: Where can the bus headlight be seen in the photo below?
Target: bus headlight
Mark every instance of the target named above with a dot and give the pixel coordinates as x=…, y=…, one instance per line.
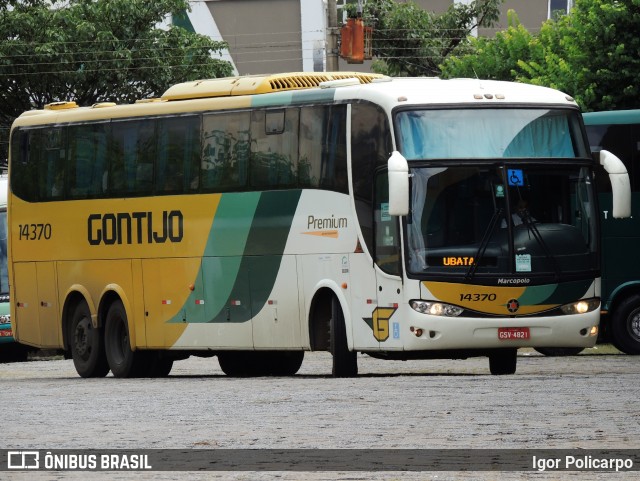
x=581, y=307
x=436, y=308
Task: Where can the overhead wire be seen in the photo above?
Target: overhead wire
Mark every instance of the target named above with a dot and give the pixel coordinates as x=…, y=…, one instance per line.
x=240, y=45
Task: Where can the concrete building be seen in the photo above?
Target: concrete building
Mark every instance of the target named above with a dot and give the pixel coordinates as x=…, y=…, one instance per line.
x=267, y=36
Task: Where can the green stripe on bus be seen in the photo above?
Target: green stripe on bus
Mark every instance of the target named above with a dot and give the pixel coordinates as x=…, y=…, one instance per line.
x=246, y=243
x=223, y=253
x=263, y=254
x=555, y=293
x=232, y=223
x=293, y=98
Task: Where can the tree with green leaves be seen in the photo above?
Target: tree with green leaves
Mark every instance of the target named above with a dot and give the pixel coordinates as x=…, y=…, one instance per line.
x=494, y=58
x=411, y=41
x=593, y=54
x=96, y=50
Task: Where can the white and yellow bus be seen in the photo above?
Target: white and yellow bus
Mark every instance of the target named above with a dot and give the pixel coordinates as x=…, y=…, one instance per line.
x=256, y=218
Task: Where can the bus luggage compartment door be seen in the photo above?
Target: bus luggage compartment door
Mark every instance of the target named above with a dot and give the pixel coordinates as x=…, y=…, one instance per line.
x=36, y=309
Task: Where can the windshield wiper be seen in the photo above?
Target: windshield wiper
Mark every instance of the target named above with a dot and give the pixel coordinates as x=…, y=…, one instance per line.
x=486, y=237
x=531, y=227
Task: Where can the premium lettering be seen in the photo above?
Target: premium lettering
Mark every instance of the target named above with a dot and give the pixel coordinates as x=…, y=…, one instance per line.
x=326, y=223
x=135, y=228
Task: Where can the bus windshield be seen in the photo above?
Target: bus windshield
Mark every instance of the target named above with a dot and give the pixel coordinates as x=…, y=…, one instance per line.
x=490, y=133
x=502, y=219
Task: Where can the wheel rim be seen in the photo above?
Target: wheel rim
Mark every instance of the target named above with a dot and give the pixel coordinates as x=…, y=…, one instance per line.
x=634, y=325
x=82, y=338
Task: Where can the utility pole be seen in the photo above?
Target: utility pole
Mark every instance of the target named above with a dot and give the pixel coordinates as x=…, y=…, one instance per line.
x=332, y=36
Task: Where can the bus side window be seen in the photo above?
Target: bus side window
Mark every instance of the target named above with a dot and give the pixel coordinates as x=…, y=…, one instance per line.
x=86, y=161
x=323, y=148
x=311, y=127
x=51, y=171
x=274, y=148
x=371, y=146
x=178, y=162
x=131, y=169
x=225, y=151
x=26, y=149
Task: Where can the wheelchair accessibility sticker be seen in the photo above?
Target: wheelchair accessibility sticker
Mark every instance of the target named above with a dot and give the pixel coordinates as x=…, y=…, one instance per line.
x=515, y=177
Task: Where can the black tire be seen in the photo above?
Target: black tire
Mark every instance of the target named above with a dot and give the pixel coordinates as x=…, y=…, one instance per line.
x=161, y=368
x=159, y=365
x=87, y=344
x=238, y=363
x=14, y=352
x=625, y=326
x=345, y=362
x=503, y=361
x=260, y=363
x=122, y=360
x=559, y=351
x=283, y=363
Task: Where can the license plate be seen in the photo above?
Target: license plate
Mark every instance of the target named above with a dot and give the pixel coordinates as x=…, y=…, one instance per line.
x=513, y=333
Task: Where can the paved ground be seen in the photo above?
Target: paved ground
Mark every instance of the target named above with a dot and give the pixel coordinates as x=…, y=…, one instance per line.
x=580, y=402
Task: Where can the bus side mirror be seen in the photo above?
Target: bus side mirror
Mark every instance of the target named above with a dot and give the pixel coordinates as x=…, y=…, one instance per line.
x=620, y=186
x=398, y=184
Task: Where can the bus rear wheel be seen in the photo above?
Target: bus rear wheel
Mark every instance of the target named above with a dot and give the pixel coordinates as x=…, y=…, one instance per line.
x=87, y=344
x=159, y=365
x=503, y=361
x=625, y=326
x=122, y=360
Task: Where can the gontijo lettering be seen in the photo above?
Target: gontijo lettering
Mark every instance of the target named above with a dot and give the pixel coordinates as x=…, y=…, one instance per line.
x=135, y=228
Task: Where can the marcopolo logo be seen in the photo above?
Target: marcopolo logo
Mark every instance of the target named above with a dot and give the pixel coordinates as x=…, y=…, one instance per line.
x=516, y=281
x=513, y=305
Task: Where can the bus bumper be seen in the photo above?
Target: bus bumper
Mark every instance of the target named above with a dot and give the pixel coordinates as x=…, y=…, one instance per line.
x=424, y=332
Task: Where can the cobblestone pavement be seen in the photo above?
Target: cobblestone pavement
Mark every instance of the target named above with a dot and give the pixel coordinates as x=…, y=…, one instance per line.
x=578, y=402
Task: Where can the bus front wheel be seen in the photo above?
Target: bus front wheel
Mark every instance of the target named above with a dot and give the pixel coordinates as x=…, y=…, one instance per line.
x=87, y=345
x=122, y=360
x=503, y=361
x=345, y=362
x=625, y=326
